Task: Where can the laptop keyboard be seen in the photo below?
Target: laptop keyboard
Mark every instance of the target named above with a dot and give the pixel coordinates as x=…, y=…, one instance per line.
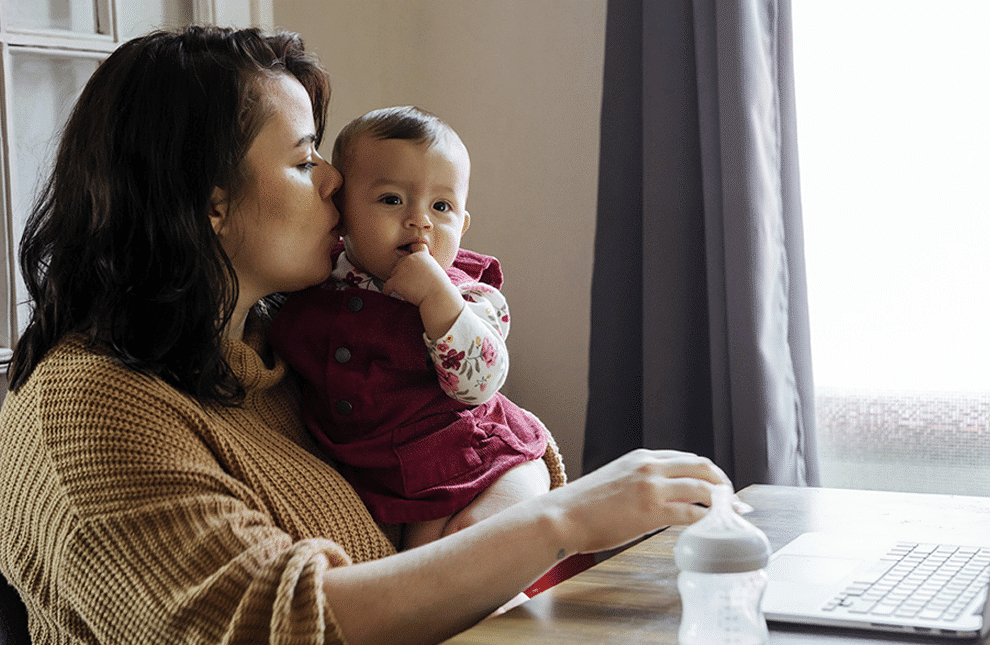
x=928, y=581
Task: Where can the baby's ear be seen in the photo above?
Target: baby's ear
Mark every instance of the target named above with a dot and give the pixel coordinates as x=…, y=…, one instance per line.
x=219, y=207
x=467, y=222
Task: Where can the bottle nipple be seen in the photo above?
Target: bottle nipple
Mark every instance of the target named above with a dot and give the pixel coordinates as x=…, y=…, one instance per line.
x=722, y=541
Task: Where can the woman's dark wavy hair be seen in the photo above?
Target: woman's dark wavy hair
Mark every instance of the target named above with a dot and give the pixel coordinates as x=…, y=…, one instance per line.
x=119, y=246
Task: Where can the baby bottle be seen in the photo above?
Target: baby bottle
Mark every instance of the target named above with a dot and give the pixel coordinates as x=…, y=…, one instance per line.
x=722, y=559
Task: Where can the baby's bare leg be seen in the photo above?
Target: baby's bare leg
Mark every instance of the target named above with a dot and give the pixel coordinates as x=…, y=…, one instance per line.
x=420, y=533
x=527, y=480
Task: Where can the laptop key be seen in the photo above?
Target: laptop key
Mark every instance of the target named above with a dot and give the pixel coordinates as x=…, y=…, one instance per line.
x=876, y=571
x=884, y=609
x=861, y=606
x=931, y=614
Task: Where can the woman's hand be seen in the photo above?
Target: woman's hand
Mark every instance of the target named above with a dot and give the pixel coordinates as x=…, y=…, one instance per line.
x=632, y=496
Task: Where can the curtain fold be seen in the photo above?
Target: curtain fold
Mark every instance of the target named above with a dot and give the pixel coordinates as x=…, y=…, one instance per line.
x=700, y=334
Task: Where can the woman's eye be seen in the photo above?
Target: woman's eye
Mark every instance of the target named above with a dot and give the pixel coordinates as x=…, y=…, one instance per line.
x=442, y=207
x=390, y=200
x=309, y=165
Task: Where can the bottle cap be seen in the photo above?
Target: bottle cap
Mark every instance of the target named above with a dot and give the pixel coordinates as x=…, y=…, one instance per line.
x=722, y=541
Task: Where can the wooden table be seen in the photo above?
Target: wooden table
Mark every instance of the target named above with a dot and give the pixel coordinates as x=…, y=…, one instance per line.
x=632, y=597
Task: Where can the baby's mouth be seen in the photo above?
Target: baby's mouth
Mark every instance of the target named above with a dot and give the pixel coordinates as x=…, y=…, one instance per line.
x=407, y=248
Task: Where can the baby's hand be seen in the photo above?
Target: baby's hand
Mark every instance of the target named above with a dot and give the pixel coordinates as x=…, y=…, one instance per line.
x=420, y=280
x=416, y=275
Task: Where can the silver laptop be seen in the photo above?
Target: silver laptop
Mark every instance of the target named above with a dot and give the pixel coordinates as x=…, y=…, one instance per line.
x=880, y=583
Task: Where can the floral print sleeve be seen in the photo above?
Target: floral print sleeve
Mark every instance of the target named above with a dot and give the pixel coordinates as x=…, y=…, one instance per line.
x=471, y=359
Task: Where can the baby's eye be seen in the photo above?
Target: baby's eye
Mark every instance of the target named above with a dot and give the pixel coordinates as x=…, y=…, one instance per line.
x=390, y=200
x=443, y=207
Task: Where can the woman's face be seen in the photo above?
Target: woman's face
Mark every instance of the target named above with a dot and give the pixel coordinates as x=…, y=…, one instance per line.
x=279, y=236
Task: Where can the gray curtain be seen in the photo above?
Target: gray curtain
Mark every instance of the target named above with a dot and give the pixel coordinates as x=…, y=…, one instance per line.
x=700, y=331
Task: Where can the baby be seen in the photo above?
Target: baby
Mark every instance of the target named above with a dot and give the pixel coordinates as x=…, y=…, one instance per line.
x=402, y=352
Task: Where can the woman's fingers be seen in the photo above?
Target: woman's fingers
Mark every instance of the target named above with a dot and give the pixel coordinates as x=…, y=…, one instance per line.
x=686, y=464
x=697, y=467
x=671, y=463
x=638, y=493
x=681, y=513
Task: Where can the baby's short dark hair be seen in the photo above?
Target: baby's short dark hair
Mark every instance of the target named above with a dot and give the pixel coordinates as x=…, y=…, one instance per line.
x=406, y=122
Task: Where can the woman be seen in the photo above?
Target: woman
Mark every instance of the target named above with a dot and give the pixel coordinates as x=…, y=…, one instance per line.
x=158, y=485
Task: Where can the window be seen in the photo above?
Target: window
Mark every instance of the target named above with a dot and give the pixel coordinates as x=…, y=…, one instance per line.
x=48, y=50
x=893, y=108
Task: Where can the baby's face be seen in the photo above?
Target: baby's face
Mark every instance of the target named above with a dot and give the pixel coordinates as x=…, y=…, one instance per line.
x=397, y=193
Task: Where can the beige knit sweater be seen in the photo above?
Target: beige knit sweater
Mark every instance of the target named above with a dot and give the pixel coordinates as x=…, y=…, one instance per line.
x=130, y=514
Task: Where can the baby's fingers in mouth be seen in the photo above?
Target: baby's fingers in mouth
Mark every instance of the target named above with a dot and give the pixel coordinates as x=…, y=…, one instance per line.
x=414, y=247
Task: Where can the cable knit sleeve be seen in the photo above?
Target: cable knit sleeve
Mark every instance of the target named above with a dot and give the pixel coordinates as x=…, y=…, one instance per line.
x=144, y=517
x=197, y=572
x=168, y=547
x=552, y=459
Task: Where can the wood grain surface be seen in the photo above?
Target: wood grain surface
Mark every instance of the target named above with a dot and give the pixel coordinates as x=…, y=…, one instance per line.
x=632, y=597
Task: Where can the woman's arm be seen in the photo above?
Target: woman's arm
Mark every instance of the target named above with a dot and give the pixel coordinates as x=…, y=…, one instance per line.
x=429, y=593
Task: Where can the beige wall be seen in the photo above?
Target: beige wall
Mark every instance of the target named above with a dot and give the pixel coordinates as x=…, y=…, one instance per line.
x=520, y=80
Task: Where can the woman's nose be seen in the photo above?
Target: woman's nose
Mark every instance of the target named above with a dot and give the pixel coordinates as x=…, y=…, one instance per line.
x=333, y=181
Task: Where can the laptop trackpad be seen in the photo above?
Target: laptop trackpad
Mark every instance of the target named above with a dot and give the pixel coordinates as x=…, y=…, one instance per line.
x=810, y=569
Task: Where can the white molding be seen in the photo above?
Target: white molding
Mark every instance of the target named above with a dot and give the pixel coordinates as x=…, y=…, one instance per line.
x=111, y=7
x=60, y=51
x=106, y=18
x=8, y=309
x=54, y=39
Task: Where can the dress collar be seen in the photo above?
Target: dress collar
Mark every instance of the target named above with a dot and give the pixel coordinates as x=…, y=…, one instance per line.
x=347, y=275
